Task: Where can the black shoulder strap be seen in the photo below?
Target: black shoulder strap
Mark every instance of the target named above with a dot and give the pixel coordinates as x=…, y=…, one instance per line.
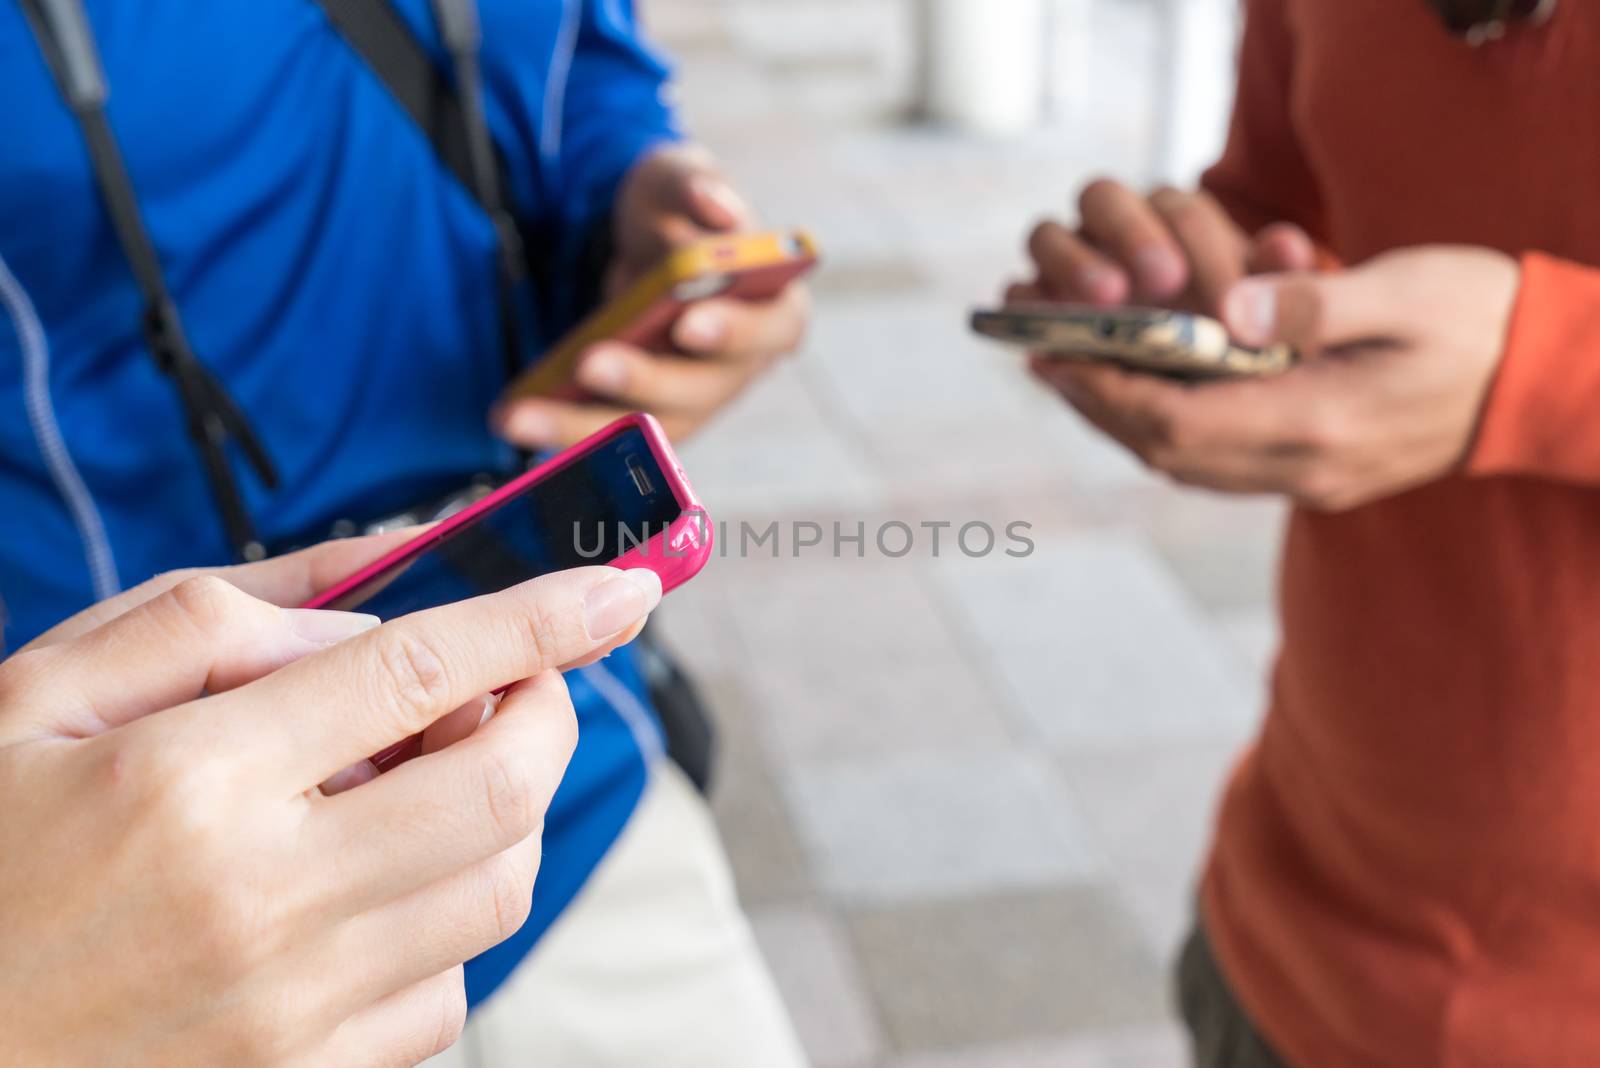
x=213, y=418
x=452, y=118
x=379, y=35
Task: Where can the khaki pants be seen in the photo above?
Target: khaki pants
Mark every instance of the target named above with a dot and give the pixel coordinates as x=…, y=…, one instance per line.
x=653, y=964
x=1223, y=1037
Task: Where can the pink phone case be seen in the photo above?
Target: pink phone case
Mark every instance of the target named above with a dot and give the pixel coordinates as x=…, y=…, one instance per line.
x=677, y=554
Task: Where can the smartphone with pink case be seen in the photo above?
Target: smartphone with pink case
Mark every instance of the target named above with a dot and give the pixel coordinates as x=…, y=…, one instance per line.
x=619, y=497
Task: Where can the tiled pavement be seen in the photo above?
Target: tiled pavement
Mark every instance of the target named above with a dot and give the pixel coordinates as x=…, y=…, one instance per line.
x=964, y=798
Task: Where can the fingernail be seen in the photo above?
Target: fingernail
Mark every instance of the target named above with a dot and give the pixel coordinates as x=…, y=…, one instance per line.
x=604, y=372
x=322, y=627
x=616, y=605
x=1098, y=282
x=355, y=775
x=700, y=328
x=1160, y=271
x=1252, y=312
x=721, y=194
x=531, y=426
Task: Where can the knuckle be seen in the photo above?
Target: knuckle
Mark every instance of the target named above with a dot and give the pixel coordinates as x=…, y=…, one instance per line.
x=546, y=631
x=1184, y=213
x=1173, y=434
x=566, y=740
x=257, y=1037
x=510, y=893
x=1162, y=459
x=1169, y=433
x=1166, y=198
x=161, y=783
x=1318, y=489
x=228, y=930
x=508, y=796
x=1046, y=241
x=1324, y=428
x=20, y=672
x=451, y=1018
x=414, y=677
x=1096, y=193
x=1168, y=442
x=558, y=738
x=208, y=602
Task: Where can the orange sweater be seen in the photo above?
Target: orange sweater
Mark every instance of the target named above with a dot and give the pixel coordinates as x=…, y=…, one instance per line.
x=1406, y=870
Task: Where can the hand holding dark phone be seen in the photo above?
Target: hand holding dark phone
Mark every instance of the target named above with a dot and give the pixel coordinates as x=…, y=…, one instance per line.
x=618, y=498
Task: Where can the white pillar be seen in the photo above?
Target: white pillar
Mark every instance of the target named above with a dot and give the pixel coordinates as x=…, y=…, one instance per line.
x=1195, y=72
x=983, y=63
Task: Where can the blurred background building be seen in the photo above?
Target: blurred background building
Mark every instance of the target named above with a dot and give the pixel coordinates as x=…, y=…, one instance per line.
x=964, y=798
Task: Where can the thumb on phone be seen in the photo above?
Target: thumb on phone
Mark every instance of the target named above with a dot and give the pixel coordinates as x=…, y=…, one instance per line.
x=1316, y=311
x=1282, y=248
x=713, y=203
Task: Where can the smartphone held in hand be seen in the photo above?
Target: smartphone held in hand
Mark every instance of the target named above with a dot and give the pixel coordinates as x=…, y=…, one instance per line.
x=751, y=267
x=1167, y=343
x=620, y=498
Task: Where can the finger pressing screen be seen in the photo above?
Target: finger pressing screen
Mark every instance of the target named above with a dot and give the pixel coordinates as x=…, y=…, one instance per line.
x=330, y=710
x=1125, y=226
x=1070, y=270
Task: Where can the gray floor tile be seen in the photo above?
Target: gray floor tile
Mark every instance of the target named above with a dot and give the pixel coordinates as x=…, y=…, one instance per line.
x=940, y=825
x=849, y=659
x=816, y=971
x=862, y=348
x=1152, y=1047
x=1223, y=549
x=769, y=864
x=695, y=629
x=773, y=453
x=817, y=710
x=875, y=718
x=1005, y=967
x=1099, y=644
x=825, y=608
x=1152, y=809
x=1097, y=463
x=1252, y=634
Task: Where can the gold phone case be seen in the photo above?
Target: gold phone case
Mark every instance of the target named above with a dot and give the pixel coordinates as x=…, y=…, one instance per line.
x=1173, y=344
x=727, y=264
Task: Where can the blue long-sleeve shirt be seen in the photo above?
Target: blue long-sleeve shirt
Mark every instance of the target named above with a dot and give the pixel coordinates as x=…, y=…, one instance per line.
x=335, y=277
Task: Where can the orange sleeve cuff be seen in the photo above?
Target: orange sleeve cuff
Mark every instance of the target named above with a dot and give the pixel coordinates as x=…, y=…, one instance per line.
x=1542, y=419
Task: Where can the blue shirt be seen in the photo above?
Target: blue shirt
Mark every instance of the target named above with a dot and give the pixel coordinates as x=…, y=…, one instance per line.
x=336, y=278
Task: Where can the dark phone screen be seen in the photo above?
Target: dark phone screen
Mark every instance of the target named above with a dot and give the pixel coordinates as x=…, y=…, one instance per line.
x=608, y=502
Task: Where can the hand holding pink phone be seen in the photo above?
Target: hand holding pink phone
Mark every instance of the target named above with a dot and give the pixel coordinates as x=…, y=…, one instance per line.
x=619, y=497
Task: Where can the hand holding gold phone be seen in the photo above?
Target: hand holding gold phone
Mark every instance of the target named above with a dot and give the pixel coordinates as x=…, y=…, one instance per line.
x=753, y=267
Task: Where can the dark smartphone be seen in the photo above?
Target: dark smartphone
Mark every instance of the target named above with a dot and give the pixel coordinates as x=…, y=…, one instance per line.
x=619, y=497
